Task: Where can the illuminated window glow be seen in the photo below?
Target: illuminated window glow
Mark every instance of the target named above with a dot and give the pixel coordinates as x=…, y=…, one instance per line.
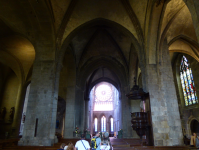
x=103, y=97
x=111, y=124
x=187, y=82
x=103, y=124
x=95, y=124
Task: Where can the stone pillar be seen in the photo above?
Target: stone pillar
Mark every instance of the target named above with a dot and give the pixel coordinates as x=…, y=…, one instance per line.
x=91, y=113
x=86, y=123
x=79, y=109
x=18, y=111
x=39, y=129
x=69, y=125
x=126, y=115
x=167, y=130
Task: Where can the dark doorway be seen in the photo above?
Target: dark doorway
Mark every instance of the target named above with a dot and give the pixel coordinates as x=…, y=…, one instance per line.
x=194, y=126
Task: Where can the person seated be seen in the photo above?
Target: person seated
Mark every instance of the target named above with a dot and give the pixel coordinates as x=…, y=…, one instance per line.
x=82, y=144
x=69, y=146
x=193, y=140
x=62, y=146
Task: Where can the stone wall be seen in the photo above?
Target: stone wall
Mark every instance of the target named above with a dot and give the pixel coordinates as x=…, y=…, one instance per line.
x=9, y=93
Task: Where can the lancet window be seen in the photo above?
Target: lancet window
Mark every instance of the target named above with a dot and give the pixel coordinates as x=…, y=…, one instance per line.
x=187, y=82
x=111, y=124
x=103, y=124
x=95, y=124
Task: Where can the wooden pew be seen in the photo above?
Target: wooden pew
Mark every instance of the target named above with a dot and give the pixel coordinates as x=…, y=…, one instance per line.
x=4, y=143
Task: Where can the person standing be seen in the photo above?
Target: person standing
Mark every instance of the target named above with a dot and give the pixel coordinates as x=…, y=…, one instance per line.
x=97, y=140
x=193, y=140
x=82, y=144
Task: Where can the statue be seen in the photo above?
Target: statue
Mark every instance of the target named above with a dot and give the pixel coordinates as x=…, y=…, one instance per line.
x=12, y=111
x=3, y=113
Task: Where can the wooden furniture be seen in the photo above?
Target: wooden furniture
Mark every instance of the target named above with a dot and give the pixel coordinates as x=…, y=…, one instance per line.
x=141, y=121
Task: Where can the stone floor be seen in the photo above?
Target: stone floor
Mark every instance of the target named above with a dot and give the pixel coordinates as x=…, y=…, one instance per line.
x=117, y=144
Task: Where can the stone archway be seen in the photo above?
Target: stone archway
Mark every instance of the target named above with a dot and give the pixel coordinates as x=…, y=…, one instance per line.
x=190, y=124
x=194, y=126
x=86, y=67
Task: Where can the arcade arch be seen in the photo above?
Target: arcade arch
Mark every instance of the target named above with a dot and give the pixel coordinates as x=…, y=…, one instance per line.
x=105, y=108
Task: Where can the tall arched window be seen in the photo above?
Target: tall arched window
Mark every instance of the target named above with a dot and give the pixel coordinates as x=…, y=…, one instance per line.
x=187, y=82
x=95, y=124
x=111, y=124
x=103, y=124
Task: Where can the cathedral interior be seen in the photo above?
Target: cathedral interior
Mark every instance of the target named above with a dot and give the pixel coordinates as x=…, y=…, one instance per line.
x=69, y=64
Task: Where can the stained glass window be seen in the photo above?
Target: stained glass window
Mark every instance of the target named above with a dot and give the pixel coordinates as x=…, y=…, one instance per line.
x=111, y=124
x=103, y=124
x=95, y=124
x=187, y=82
x=103, y=97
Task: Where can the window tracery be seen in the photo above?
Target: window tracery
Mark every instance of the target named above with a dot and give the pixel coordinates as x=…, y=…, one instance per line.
x=103, y=97
x=187, y=82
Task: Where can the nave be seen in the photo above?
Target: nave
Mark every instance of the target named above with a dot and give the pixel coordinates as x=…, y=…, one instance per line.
x=56, y=54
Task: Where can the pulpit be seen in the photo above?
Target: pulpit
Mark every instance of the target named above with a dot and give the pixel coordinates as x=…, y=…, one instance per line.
x=141, y=121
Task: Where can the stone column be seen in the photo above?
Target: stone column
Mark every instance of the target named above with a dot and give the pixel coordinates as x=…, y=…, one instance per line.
x=91, y=113
x=79, y=109
x=99, y=125
x=69, y=126
x=39, y=129
x=86, y=123
x=126, y=116
x=18, y=111
x=167, y=130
